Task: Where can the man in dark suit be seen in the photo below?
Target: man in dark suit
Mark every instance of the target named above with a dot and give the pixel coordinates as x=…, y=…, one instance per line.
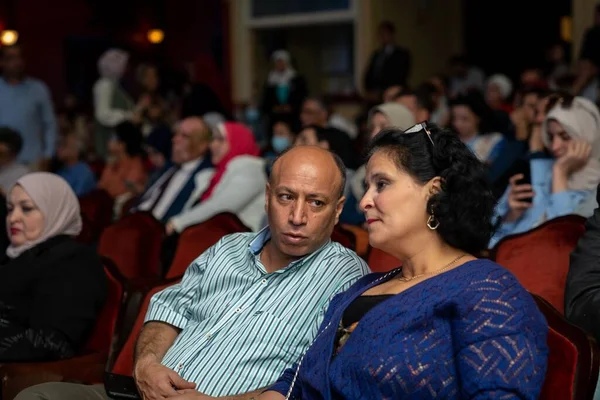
x=389, y=66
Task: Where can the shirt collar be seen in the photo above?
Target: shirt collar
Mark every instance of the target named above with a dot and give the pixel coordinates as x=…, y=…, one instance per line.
x=264, y=235
x=191, y=165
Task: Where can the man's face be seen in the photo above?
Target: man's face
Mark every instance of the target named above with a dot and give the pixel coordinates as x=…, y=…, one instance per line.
x=303, y=201
x=67, y=148
x=12, y=62
x=188, y=141
x=312, y=114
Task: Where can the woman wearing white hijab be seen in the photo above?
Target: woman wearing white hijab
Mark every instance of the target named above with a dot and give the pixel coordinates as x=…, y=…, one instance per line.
x=571, y=132
x=52, y=288
x=285, y=89
x=112, y=105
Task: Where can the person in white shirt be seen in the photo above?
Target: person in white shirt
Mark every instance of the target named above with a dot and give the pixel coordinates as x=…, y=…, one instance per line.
x=237, y=185
x=181, y=184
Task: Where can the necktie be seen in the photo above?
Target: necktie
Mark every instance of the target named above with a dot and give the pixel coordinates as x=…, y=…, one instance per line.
x=163, y=187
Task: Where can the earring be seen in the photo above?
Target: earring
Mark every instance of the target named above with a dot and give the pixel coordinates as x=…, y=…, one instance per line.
x=430, y=221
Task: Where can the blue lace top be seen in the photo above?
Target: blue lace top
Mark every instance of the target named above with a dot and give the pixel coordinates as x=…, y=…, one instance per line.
x=470, y=333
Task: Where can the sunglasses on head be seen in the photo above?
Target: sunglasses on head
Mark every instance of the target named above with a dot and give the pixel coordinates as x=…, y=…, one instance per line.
x=421, y=126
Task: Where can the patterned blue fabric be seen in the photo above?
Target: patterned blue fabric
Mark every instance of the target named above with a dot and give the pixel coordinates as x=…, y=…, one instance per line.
x=470, y=333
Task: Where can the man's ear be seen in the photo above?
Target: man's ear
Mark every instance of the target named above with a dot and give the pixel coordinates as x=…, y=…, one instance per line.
x=338, y=208
x=267, y=195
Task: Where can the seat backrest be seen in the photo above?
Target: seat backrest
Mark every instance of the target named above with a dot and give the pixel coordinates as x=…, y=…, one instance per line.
x=196, y=239
x=97, y=209
x=572, y=369
x=124, y=362
x=134, y=244
x=540, y=258
x=344, y=237
x=107, y=321
x=380, y=261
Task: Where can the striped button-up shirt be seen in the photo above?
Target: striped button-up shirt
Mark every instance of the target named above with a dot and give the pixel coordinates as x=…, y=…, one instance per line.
x=241, y=326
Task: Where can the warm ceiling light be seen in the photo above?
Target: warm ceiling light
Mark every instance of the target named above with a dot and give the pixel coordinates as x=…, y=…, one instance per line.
x=9, y=37
x=156, y=36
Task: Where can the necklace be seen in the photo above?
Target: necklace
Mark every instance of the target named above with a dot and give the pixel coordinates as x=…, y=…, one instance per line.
x=445, y=267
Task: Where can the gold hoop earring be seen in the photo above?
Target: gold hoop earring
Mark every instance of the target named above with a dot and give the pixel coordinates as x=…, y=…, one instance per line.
x=430, y=221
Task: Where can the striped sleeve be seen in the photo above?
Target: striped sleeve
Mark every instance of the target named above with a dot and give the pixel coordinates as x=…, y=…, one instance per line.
x=172, y=305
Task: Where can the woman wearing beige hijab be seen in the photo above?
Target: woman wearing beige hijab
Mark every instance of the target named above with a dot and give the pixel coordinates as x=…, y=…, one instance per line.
x=571, y=133
x=383, y=116
x=52, y=288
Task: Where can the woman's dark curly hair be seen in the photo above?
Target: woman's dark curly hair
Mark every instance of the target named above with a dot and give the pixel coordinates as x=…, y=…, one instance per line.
x=465, y=204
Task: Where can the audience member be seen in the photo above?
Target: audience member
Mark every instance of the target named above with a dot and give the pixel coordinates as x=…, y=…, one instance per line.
x=464, y=326
x=112, y=104
x=498, y=91
x=571, y=131
x=285, y=89
x=125, y=174
x=389, y=65
x=250, y=305
x=237, y=184
x=158, y=148
x=471, y=120
x=74, y=170
x=419, y=102
x=177, y=188
x=11, y=170
x=52, y=288
x=464, y=77
x=26, y=106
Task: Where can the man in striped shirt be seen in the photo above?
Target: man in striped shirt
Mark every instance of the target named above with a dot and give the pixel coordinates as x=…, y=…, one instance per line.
x=251, y=305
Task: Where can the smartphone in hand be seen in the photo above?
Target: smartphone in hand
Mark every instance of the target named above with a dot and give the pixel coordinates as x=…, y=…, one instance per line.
x=120, y=387
x=526, y=181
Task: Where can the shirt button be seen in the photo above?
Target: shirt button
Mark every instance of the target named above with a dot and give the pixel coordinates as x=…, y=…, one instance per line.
x=208, y=335
x=238, y=310
x=264, y=281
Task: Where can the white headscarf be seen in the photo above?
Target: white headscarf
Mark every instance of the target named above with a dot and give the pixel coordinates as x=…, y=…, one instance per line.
x=58, y=204
x=112, y=63
x=582, y=122
x=281, y=78
x=504, y=84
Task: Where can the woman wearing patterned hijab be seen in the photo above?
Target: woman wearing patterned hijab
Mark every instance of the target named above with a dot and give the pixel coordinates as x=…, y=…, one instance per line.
x=52, y=288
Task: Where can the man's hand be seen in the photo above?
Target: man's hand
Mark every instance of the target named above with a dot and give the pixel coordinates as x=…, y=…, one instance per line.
x=575, y=158
x=157, y=382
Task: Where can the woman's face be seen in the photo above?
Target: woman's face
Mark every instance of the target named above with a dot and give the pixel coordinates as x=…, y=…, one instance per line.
x=219, y=147
x=465, y=121
x=493, y=95
x=395, y=205
x=559, y=138
x=281, y=129
x=24, y=219
x=378, y=123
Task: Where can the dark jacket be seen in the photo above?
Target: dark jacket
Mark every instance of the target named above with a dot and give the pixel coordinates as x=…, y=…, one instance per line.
x=393, y=69
x=50, y=297
x=582, y=294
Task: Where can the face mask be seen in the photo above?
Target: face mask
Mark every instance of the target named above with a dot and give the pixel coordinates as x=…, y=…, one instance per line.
x=280, y=143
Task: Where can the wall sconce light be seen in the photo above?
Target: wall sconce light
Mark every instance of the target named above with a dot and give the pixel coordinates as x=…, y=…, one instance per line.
x=156, y=36
x=9, y=37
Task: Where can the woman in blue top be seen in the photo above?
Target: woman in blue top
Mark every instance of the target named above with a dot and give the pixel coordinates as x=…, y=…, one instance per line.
x=571, y=131
x=445, y=325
